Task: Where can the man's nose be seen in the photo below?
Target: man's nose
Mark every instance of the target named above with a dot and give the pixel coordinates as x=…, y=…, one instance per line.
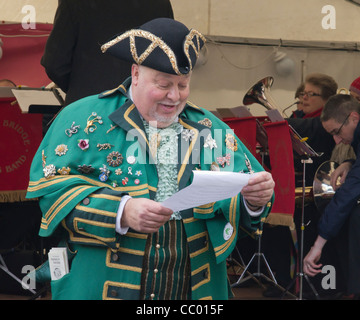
x=337, y=139
x=174, y=94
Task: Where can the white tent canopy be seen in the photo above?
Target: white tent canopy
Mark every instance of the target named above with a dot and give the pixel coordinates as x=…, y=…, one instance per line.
x=19, y=10
x=243, y=36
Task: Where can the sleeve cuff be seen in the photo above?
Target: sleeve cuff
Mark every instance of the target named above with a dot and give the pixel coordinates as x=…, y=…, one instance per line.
x=120, y=211
x=252, y=213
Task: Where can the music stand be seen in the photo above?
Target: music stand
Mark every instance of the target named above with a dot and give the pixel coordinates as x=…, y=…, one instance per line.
x=258, y=257
x=261, y=137
x=306, y=152
x=232, y=262
x=258, y=274
x=4, y=267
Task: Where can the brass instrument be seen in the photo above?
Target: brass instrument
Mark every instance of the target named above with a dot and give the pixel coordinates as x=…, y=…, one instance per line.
x=322, y=189
x=309, y=197
x=343, y=91
x=260, y=93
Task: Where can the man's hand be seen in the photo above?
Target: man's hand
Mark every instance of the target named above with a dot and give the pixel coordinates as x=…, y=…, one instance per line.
x=311, y=265
x=259, y=189
x=144, y=215
x=341, y=171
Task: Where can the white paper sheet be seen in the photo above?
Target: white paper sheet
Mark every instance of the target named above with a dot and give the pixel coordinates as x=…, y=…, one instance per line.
x=29, y=96
x=207, y=187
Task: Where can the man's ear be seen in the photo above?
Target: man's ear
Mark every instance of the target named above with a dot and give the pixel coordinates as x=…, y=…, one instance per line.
x=355, y=115
x=134, y=74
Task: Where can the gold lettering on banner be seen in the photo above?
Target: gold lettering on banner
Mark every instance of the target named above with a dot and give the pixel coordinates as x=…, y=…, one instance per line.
x=25, y=138
x=15, y=165
x=19, y=129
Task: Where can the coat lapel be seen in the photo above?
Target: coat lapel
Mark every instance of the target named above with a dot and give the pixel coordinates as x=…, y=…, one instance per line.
x=189, y=151
x=128, y=118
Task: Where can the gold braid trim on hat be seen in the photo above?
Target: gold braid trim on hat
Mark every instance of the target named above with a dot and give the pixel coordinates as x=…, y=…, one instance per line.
x=155, y=42
x=190, y=42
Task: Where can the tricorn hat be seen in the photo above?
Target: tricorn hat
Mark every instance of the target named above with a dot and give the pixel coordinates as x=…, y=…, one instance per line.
x=162, y=44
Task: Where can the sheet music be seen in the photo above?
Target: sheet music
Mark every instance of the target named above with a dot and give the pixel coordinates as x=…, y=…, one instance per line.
x=34, y=96
x=299, y=145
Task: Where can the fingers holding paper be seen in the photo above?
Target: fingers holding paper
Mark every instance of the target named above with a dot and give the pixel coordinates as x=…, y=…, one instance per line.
x=259, y=189
x=144, y=215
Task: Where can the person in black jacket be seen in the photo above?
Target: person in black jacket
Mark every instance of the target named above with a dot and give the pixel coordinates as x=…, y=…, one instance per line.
x=341, y=217
x=73, y=59
x=313, y=93
x=317, y=90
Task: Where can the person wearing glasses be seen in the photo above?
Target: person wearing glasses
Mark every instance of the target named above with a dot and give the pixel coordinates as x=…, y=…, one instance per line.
x=316, y=90
x=298, y=113
x=341, y=218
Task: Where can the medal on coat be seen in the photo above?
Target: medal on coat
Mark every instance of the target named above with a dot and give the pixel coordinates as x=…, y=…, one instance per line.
x=114, y=159
x=105, y=172
x=248, y=164
x=224, y=160
x=73, y=129
x=61, y=150
x=231, y=142
x=206, y=122
x=85, y=169
x=90, y=123
x=210, y=142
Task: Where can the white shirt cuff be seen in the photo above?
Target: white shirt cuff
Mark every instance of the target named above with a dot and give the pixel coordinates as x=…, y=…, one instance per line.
x=253, y=214
x=120, y=211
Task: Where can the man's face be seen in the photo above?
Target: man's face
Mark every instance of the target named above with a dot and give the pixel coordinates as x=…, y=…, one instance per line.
x=159, y=96
x=342, y=132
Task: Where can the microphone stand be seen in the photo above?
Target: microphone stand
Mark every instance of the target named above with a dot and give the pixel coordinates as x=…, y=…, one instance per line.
x=283, y=112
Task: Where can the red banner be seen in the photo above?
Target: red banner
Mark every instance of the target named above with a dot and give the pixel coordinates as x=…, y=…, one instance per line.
x=282, y=170
x=281, y=162
x=245, y=129
x=22, y=52
x=21, y=135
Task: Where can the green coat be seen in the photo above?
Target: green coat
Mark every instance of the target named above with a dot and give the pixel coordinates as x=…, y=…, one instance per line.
x=79, y=191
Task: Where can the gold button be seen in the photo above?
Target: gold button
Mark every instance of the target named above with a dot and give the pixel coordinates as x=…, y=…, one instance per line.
x=156, y=270
x=157, y=246
x=152, y=296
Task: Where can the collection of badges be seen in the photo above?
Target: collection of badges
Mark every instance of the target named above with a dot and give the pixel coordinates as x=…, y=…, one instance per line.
x=115, y=159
